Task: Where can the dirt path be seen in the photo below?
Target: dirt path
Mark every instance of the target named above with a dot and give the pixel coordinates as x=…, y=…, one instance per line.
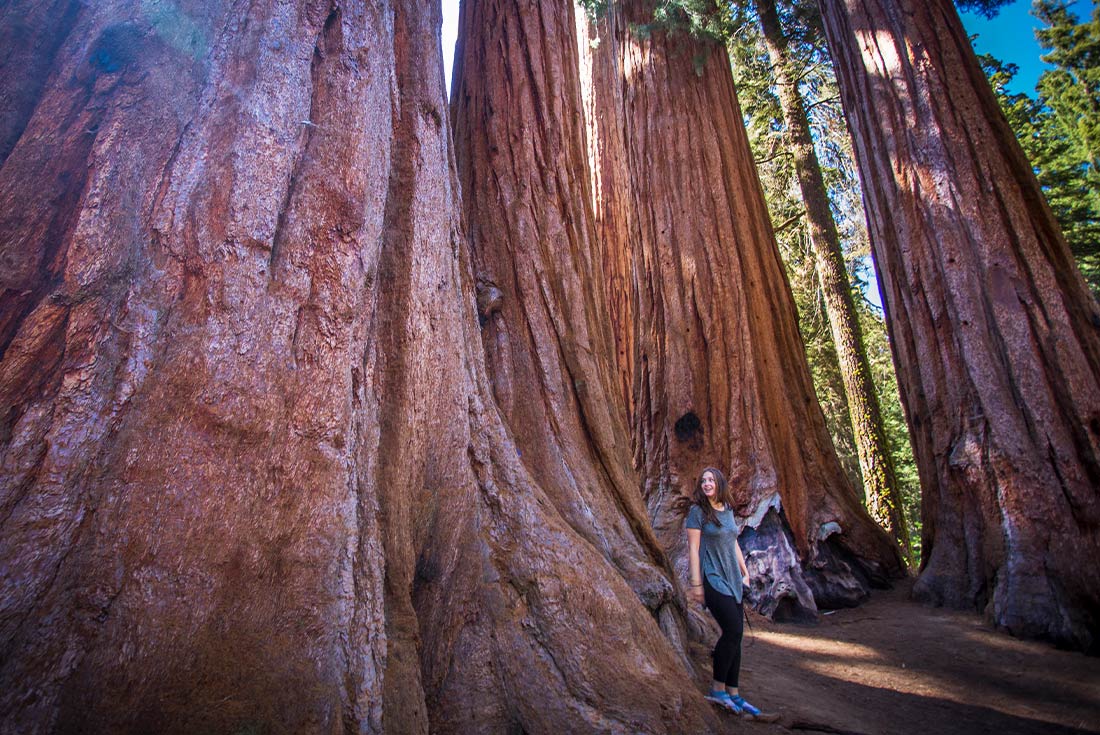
x=893, y=666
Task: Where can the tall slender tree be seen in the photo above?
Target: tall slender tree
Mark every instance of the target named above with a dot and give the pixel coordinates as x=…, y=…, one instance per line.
x=876, y=464
x=1069, y=95
x=1072, y=88
x=995, y=336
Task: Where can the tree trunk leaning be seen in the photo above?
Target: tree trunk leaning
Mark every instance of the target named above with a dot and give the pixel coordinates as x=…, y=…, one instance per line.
x=995, y=336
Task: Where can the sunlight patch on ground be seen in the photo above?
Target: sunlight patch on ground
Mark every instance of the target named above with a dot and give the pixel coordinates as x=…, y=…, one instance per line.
x=904, y=681
x=900, y=679
x=839, y=649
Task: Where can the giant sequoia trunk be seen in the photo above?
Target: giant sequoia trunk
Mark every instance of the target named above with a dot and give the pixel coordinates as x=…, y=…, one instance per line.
x=719, y=370
x=876, y=465
x=995, y=336
x=253, y=478
x=519, y=138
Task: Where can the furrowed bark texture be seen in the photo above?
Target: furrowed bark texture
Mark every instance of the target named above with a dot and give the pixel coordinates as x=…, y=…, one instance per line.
x=188, y=513
x=522, y=166
x=995, y=337
x=875, y=462
x=253, y=478
x=720, y=374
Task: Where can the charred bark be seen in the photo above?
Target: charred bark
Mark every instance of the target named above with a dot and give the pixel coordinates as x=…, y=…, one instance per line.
x=994, y=333
x=719, y=370
x=875, y=462
x=253, y=477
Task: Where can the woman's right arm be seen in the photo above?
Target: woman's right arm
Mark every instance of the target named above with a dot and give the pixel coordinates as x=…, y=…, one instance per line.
x=695, y=590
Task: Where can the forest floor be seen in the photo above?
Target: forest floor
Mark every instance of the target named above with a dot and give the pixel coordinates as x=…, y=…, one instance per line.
x=895, y=666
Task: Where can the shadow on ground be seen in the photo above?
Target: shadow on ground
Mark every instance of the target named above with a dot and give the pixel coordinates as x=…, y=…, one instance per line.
x=894, y=666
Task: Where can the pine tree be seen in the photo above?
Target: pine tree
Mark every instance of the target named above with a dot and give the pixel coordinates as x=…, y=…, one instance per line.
x=1067, y=138
x=1072, y=88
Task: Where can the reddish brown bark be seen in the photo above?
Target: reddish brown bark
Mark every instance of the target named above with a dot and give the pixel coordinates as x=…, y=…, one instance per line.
x=522, y=166
x=994, y=333
x=720, y=374
x=253, y=477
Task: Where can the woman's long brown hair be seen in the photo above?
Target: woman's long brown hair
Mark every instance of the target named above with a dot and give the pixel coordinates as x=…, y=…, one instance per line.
x=684, y=503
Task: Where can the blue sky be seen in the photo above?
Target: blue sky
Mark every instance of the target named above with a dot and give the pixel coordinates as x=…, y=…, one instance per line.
x=450, y=33
x=1011, y=37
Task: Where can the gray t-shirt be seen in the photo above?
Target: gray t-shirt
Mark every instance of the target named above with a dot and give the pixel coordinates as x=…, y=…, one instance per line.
x=718, y=551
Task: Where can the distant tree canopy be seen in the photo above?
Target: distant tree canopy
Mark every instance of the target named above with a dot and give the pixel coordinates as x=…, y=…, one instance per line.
x=704, y=19
x=718, y=20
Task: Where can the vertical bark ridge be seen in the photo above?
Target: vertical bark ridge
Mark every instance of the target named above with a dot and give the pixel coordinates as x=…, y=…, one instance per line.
x=606, y=149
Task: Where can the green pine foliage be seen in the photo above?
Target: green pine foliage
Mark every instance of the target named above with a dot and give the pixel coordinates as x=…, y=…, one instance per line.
x=877, y=344
x=988, y=8
x=1072, y=88
x=1063, y=140
x=704, y=19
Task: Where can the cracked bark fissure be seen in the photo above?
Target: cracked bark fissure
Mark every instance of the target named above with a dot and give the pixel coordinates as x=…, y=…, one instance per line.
x=875, y=462
x=718, y=370
x=255, y=492
x=995, y=336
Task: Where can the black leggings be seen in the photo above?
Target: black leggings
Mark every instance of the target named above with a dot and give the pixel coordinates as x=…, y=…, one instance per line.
x=731, y=619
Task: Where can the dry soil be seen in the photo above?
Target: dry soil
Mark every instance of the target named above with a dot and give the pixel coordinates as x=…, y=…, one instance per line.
x=895, y=666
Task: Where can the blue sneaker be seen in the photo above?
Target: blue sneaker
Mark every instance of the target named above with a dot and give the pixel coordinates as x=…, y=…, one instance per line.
x=744, y=707
x=723, y=700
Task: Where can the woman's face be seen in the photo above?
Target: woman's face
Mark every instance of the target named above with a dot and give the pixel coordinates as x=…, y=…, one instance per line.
x=710, y=485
